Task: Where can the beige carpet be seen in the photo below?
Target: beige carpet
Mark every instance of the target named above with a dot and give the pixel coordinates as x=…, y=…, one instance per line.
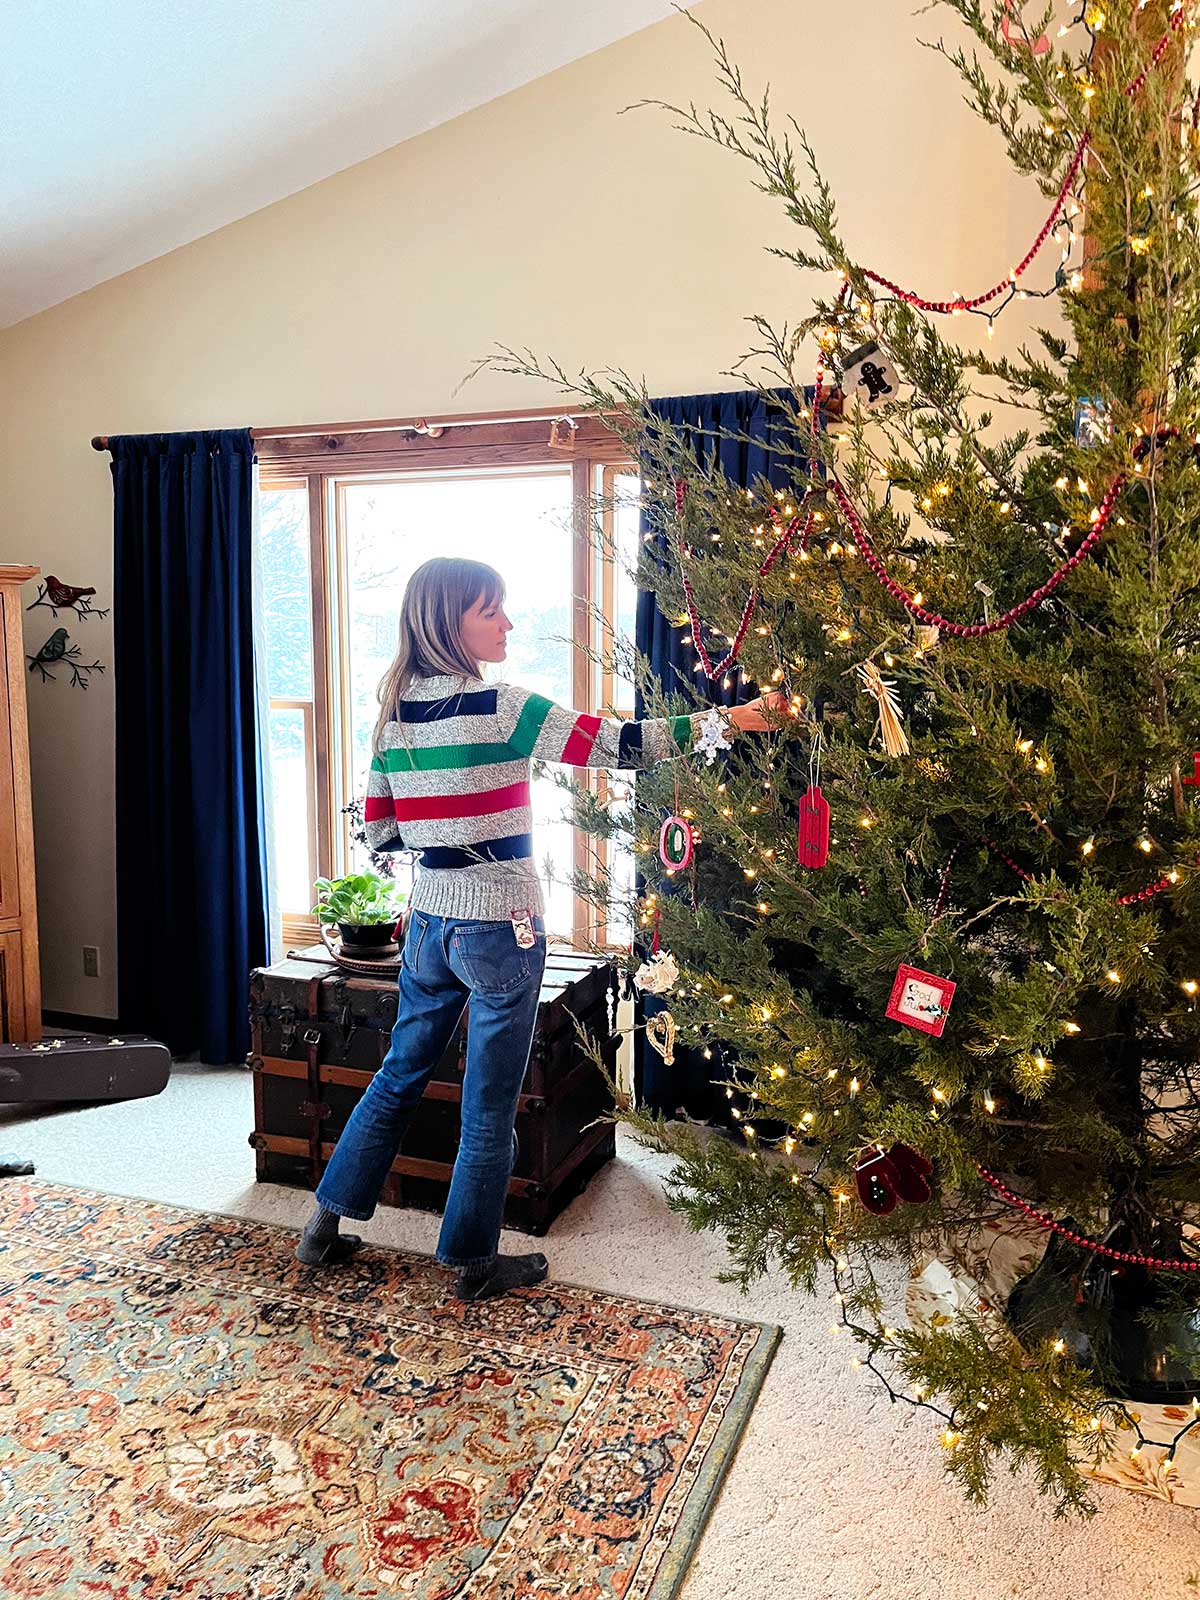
x=834, y=1494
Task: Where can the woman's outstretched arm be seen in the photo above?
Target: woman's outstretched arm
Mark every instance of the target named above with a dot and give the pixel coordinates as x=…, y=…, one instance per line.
x=538, y=728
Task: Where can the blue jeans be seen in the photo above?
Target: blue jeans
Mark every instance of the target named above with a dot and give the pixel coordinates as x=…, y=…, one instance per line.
x=447, y=962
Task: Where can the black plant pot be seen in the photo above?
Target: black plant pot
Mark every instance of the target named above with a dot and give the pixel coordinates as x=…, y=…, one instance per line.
x=369, y=939
x=1096, y=1306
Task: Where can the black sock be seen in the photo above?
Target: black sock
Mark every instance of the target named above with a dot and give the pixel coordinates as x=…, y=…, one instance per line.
x=500, y=1275
x=321, y=1243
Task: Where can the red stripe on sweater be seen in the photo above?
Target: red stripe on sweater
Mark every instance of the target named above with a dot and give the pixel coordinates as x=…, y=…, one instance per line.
x=583, y=736
x=432, y=807
x=378, y=807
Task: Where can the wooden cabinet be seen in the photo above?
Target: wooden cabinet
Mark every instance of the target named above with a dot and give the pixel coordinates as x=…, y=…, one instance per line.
x=12, y=989
x=20, y=976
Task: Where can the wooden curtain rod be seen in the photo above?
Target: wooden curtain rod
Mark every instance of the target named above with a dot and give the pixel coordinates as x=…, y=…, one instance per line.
x=430, y=427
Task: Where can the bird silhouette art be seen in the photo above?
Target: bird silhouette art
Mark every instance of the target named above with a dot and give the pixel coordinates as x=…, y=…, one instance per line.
x=57, y=649
x=61, y=596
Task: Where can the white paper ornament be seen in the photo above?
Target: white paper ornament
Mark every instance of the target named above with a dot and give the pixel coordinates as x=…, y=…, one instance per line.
x=658, y=975
x=868, y=377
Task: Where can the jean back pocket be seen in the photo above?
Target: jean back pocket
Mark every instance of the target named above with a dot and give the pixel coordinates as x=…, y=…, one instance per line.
x=491, y=959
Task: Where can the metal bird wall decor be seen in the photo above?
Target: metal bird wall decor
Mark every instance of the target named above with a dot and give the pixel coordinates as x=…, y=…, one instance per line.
x=61, y=596
x=57, y=649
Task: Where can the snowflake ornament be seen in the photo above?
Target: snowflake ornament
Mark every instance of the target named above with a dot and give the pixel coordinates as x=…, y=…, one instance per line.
x=711, y=737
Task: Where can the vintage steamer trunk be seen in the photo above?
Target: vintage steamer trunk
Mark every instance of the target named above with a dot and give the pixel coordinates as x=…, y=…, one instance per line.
x=319, y=1032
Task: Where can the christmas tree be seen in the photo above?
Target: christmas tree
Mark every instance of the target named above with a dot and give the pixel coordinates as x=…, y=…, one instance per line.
x=971, y=984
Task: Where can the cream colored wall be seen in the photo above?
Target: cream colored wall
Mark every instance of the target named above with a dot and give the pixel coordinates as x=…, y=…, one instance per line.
x=542, y=219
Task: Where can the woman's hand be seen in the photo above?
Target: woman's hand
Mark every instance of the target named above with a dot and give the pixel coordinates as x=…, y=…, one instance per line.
x=752, y=717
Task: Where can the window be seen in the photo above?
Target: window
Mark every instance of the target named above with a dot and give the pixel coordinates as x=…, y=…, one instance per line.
x=287, y=613
x=346, y=518
x=617, y=491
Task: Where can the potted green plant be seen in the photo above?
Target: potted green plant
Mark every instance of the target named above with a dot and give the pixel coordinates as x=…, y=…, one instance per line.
x=368, y=910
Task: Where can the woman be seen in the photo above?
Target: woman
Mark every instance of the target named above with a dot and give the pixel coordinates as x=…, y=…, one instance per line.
x=450, y=778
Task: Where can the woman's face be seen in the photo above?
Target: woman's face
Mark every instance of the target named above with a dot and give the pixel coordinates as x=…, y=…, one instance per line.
x=485, y=630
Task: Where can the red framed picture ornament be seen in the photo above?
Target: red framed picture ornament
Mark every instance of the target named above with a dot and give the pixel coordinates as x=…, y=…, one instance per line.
x=920, y=1000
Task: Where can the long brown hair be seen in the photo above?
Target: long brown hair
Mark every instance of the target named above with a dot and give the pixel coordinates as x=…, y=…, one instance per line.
x=438, y=595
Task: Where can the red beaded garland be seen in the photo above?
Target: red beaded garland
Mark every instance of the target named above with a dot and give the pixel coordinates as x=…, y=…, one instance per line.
x=1145, y=894
x=1094, y=1245
x=956, y=629
x=975, y=630
x=781, y=544
x=944, y=307
x=941, y=899
x=964, y=630
x=1008, y=862
x=1158, y=887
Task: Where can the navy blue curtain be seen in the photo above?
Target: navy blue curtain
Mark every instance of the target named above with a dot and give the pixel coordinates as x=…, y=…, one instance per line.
x=690, y=1083
x=191, y=857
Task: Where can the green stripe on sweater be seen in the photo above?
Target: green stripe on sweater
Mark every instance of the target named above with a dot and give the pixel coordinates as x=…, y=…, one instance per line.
x=438, y=758
x=681, y=731
x=529, y=724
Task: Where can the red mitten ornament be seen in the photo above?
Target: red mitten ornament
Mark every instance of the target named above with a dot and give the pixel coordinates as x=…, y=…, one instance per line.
x=914, y=1171
x=877, y=1182
x=812, y=840
x=883, y=1180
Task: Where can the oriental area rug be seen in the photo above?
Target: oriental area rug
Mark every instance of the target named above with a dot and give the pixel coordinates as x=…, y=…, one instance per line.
x=188, y=1414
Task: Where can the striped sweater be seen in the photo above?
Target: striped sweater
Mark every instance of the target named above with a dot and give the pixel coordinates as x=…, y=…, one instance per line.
x=451, y=780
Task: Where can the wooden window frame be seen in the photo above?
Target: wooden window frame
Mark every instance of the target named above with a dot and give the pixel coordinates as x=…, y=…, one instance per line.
x=300, y=929
x=320, y=457
x=591, y=854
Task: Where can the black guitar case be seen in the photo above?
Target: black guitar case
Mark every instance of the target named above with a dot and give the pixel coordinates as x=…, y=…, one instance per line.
x=87, y=1067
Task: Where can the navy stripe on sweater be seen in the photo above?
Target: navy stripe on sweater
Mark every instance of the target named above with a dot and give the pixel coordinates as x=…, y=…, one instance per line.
x=476, y=703
x=518, y=847
x=629, y=744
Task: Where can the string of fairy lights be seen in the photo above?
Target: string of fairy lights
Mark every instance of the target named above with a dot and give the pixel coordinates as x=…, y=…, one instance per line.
x=992, y=302
x=801, y=543
x=1070, y=1027
x=1093, y=18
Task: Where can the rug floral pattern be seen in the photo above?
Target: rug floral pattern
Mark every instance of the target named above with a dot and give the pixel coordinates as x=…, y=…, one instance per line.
x=187, y=1414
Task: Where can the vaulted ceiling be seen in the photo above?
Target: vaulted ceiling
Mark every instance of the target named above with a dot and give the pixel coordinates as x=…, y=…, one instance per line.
x=128, y=130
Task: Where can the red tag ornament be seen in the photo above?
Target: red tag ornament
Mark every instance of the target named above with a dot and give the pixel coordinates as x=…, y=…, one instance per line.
x=812, y=842
x=920, y=1000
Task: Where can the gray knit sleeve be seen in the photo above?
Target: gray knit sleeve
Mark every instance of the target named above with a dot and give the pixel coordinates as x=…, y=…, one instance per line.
x=539, y=728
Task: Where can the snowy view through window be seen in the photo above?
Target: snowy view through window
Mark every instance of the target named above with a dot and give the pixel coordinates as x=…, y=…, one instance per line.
x=518, y=522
